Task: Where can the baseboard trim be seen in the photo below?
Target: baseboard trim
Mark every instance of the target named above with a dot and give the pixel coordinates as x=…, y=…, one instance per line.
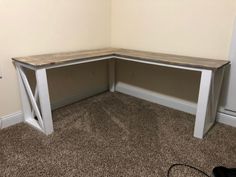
x=175, y=103
x=11, y=119
x=172, y=102
x=226, y=119
x=165, y=100
x=75, y=98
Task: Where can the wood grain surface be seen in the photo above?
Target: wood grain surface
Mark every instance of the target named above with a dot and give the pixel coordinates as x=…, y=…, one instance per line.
x=49, y=60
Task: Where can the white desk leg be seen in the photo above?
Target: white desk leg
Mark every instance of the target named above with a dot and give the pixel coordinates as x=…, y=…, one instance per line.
x=203, y=104
x=112, y=75
x=24, y=97
x=44, y=100
x=39, y=117
x=209, y=93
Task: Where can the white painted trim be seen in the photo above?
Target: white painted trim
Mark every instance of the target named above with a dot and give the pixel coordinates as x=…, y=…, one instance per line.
x=112, y=56
x=65, y=64
x=160, y=64
x=55, y=104
x=172, y=102
x=11, y=119
x=226, y=119
x=165, y=100
x=178, y=104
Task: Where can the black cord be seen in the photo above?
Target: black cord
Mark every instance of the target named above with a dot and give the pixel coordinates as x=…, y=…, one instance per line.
x=185, y=165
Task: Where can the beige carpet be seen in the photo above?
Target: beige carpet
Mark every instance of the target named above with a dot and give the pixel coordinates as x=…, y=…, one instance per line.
x=115, y=135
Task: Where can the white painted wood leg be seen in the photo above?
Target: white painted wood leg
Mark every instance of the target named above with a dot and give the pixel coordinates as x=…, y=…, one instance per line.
x=112, y=75
x=208, y=99
x=203, y=104
x=28, y=102
x=36, y=107
x=44, y=100
x=26, y=108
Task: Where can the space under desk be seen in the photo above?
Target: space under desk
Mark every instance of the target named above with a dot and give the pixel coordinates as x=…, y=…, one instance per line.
x=36, y=103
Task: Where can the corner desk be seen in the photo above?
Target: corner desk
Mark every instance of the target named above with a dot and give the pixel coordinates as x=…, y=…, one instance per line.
x=36, y=104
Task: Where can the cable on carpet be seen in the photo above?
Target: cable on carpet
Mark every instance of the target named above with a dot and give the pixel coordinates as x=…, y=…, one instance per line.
x=185, y=165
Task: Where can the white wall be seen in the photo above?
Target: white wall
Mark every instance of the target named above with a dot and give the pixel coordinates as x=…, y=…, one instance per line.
x=201, y=28
x=231, y=97
x=41, y=26
x=197, y=28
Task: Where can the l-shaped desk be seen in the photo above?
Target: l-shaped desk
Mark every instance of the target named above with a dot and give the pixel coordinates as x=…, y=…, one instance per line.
x=37, y=108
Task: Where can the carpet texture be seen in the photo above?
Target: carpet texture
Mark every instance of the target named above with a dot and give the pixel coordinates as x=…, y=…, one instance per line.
x=115, y=135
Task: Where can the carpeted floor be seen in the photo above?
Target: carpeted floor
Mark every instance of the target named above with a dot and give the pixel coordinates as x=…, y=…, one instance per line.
x=115, y=135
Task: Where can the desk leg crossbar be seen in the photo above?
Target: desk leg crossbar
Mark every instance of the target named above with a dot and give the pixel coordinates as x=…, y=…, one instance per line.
x=36, y=107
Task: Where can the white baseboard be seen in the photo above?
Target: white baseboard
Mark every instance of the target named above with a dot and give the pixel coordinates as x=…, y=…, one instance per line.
x=165, y=100
x=226, y=119
x=17, y=117
x=11, y=119
x=172, y=102
x=75, y=98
